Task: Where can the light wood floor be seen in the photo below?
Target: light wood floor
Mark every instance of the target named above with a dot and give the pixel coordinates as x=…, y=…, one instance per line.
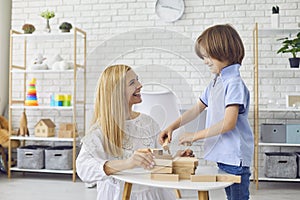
x=33, y=186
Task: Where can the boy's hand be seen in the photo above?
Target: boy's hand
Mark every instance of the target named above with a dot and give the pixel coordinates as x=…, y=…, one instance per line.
x=165, y=135
x=187, y=139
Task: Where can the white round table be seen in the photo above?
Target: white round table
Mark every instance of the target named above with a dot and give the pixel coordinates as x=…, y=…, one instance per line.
x=142, y=177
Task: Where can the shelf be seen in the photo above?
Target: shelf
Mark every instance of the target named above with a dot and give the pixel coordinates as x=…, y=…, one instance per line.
x=47, y=36
x=278, y=144
x=15, y=71
x=279, y=69
x=49, y=139
x=279, y=179
x=280, y=109
x=273, y=31
x=42, y=170
x=42, y=107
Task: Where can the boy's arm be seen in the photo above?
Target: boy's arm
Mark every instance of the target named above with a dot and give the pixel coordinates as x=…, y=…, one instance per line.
x=186, y=117
x=225, y=125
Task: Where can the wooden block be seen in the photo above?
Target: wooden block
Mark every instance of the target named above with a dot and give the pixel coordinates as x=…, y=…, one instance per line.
x=185, y=162
x=161, y=170
x=203, y=178
x=163, y=162
x=182, y=170
x=184, y=176
x=165, y=177
x=165, y=145
x=228, y=178
x=144, y=150
x=66, y=126
x=157, y=151
x=66, y=134
x=164, y=156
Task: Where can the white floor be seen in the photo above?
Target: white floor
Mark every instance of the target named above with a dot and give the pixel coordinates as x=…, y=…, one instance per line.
x=33, y=186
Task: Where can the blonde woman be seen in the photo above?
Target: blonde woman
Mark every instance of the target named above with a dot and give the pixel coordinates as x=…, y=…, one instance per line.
x=115, y=135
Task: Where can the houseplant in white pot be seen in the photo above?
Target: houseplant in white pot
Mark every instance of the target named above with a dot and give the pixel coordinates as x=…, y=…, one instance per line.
x=48, y=15
x=291, y=45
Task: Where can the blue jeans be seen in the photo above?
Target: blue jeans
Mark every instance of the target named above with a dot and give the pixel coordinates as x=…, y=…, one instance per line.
x=237, y=191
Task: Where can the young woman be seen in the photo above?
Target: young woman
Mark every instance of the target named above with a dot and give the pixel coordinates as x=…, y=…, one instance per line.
x=117, y=132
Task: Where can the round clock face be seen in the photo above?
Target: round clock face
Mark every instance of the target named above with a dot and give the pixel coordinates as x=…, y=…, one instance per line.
x=169, y=10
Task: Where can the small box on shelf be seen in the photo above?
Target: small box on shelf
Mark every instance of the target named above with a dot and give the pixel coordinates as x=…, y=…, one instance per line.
x=273, y=133
x=59, y=158
x=293, y=133
x=281, y=165
x=298, y=160
x=31, y=157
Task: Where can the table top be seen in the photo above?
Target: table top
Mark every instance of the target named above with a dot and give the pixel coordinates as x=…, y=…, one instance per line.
x=142, y=177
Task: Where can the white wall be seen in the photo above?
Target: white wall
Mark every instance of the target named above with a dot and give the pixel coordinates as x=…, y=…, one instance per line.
x=5, y=18
x=128, y=31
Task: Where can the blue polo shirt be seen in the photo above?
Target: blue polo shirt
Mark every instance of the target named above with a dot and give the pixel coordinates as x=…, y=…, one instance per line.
x=236, y=146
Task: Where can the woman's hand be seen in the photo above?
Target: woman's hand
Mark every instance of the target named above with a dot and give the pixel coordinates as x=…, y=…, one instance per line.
x=184, y=153
x=187, y=139
x=165, y=135
x=141, y=159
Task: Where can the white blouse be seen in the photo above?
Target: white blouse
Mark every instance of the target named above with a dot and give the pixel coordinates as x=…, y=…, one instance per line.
x=141, y=132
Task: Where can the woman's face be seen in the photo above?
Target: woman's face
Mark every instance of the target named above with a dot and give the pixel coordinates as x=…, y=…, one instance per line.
x=133, y=88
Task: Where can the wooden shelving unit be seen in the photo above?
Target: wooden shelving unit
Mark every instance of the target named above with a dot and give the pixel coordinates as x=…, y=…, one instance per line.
x=75, y=37
x=257, y=33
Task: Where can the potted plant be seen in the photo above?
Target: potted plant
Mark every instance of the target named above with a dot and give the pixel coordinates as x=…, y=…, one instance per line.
x=48, y=15
x=291, y=45
x=65, y=27
x=28, y=28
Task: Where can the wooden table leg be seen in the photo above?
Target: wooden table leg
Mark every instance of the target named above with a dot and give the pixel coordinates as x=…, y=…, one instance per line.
x=127, y=191
x=178, y=194
x=203, y=195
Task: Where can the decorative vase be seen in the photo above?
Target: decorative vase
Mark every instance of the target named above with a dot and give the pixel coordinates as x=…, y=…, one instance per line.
x=48, y=29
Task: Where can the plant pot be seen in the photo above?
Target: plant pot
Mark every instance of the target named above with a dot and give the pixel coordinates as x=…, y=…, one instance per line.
x=65, y=30
x=294, y=62
x=28, y=32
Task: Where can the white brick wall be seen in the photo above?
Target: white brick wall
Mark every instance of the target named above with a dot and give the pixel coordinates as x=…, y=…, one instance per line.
x=129, y=32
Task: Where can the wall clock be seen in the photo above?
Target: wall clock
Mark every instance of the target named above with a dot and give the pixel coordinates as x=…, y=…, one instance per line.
x=169, y=10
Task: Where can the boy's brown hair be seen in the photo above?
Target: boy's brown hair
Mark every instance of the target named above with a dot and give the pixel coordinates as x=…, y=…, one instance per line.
x=221, y=42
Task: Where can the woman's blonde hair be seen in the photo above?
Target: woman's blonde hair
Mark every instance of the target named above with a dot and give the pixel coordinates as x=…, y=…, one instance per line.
x=221, y=42
x=110, y=107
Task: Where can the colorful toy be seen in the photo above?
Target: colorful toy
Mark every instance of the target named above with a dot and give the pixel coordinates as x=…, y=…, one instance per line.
x=60, y=100
x=31, y=98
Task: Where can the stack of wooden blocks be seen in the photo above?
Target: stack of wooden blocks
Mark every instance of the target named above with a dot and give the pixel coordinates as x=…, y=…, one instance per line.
x=168, y=169
x=66, y=130
x=185, y=166
x=180, y=168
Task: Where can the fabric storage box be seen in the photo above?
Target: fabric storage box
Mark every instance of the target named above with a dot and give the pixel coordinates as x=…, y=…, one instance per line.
x=59, y=157
x=273, y=133
x=31, y=156
x=298, y=160
x=281, y=165
x=293, y=133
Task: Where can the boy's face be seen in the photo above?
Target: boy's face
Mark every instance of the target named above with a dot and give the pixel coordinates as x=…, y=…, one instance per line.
x=215, y=66
x=133, y=88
